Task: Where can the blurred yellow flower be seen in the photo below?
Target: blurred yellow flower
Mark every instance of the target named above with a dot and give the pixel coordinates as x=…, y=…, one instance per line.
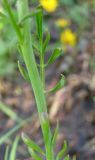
x=62, y=22
x=49, y=5
x=67, y=37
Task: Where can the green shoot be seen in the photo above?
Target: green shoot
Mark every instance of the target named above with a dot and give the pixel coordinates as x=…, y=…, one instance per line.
x=35, y=76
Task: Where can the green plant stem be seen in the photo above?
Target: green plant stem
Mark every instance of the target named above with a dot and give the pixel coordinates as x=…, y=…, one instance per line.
x=27, y=51
x=36, y=83
x=29, y=58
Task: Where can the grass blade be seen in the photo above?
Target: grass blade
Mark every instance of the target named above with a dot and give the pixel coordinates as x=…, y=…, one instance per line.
x=13, y=150
x=6, y=153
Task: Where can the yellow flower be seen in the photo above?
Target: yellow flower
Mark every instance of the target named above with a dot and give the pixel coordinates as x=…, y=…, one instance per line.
x=67, y=37
x=49, y=5
x=62, y=22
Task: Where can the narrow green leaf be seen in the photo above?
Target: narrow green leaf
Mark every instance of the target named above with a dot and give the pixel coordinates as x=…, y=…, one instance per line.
x=58, y=86
x=23, y=72
x=34, y=155
x=53, y=141
x=6, y=153
x=57, y=52
x=67, y=157
x=39, y=21
x=31, y=144
x=8, y=111
x=13, y=150
x=62, y=152
x=46, y=41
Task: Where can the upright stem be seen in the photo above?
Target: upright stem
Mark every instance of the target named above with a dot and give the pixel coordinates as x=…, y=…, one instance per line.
x=29, y=59
x=36, y=83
